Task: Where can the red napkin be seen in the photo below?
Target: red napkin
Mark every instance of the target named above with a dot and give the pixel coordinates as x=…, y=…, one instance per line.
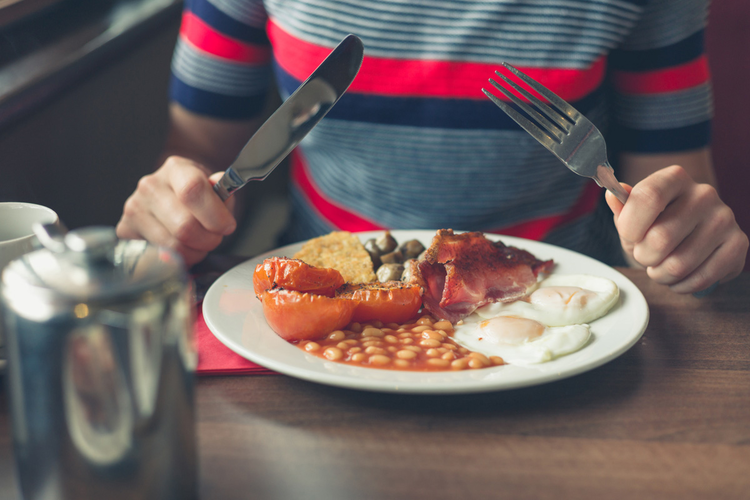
x=214, y=358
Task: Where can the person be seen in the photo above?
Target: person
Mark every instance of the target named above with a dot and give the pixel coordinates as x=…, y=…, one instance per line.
x=415, y=144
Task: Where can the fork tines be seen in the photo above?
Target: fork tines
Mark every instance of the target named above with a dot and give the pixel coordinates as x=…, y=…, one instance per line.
x=560, y=116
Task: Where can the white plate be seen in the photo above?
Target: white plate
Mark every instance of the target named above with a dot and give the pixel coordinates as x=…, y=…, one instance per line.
x=236, y=318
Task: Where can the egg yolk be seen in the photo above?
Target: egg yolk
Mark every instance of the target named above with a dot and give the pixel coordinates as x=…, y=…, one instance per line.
x=560, y=296
x=510, y=330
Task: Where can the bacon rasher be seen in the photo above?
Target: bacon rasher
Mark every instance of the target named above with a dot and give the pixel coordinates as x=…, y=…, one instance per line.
x=461, y=272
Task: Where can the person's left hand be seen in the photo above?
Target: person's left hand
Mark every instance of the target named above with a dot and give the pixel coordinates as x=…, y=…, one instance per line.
x=680, y=231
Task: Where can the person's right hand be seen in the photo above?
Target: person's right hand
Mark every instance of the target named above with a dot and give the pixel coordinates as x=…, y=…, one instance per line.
x=176, y=207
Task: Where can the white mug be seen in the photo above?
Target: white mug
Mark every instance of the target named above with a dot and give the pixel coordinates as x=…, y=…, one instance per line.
x=16, y=233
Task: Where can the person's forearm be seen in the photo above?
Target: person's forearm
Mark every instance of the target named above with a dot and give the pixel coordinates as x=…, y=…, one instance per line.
x=697, y=163
x=212, y=143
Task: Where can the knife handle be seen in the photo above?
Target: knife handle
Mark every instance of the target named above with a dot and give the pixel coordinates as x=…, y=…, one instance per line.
x=228, y=184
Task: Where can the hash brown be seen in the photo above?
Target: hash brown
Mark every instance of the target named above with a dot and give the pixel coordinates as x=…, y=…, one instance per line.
x=340, y=250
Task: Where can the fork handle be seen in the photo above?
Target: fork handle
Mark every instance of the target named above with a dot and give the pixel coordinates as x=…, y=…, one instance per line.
x=605, y=177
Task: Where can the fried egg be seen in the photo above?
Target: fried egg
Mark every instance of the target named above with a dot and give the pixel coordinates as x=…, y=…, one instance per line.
x=560, y=300
x=519, y=340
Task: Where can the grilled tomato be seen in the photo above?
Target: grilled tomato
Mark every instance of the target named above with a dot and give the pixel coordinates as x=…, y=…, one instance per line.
x=389, y=302
x=293, y=274
x=305, y=316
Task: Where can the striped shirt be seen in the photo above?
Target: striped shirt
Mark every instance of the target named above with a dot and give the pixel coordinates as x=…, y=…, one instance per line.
x=414, y=143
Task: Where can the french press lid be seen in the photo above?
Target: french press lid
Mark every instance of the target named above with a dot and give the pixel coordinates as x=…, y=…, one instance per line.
x=86, y=265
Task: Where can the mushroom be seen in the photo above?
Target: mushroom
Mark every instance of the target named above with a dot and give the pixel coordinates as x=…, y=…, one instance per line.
x=390, y=272
x=411, y=249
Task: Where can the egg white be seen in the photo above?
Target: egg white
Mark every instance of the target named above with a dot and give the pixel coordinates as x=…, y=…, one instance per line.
x=518, y=340
x=560, y=300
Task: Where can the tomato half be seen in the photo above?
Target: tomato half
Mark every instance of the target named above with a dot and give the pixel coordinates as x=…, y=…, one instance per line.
x=293, y=274
x=389, y=302
x=305, y=316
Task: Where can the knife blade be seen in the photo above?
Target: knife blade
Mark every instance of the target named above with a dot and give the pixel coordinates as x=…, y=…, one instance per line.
x=294, y=119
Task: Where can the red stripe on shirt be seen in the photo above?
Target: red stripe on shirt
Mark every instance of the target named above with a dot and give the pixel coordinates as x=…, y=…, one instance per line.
x=208, y=40
x=427, y=77
x=326, y=208
x=346, y=220
x=672, y=79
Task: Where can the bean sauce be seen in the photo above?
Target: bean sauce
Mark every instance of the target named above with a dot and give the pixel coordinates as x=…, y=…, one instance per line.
x=424, y=344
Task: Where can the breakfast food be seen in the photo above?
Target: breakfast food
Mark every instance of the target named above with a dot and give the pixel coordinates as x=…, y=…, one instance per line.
x=465, y=302
x=462, y=272
x=303, y=316
x=422, y=344
x=520, y=340
x=293, y=274
x=389, y=302
x=303, y=302
x=342, y=251
x=561, y=300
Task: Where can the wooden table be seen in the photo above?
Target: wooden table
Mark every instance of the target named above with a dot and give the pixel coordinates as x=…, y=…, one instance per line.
x=668, y=419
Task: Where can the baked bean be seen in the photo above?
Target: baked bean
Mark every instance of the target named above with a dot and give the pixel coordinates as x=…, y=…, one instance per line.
x=372, y=332
x=333, y=353
x=497, y=360
x=337, y=335
x=432, y=334
x=406, y=354
x=359, y=357
x=442, y=325
x=430, y=343
x=379, y=360
x=422, y=344
x=475, y=363
x=460, y=364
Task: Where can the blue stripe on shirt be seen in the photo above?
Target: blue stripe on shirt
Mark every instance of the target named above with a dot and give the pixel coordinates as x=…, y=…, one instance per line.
x=663, y=57
x=215, y=105
x=663, y=141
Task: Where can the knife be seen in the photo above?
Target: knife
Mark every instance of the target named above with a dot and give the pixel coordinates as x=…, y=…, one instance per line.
x=296, y=116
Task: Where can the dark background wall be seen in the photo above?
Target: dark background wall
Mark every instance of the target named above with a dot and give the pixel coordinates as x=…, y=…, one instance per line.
x=728, y=41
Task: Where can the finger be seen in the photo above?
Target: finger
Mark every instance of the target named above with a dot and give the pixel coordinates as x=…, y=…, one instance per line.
x=192, y=188
x=150, y=229
x=614, y=204
x=181, y=223
x=648, y=199
x=229, y=202
x=687, y=256
x=676, y=224
x=724, y=264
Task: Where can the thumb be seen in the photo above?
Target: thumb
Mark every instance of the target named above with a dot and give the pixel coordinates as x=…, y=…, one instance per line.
x=213, y=179
x=614, y=204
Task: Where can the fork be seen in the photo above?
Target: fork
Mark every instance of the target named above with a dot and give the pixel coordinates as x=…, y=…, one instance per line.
x=561, y=129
